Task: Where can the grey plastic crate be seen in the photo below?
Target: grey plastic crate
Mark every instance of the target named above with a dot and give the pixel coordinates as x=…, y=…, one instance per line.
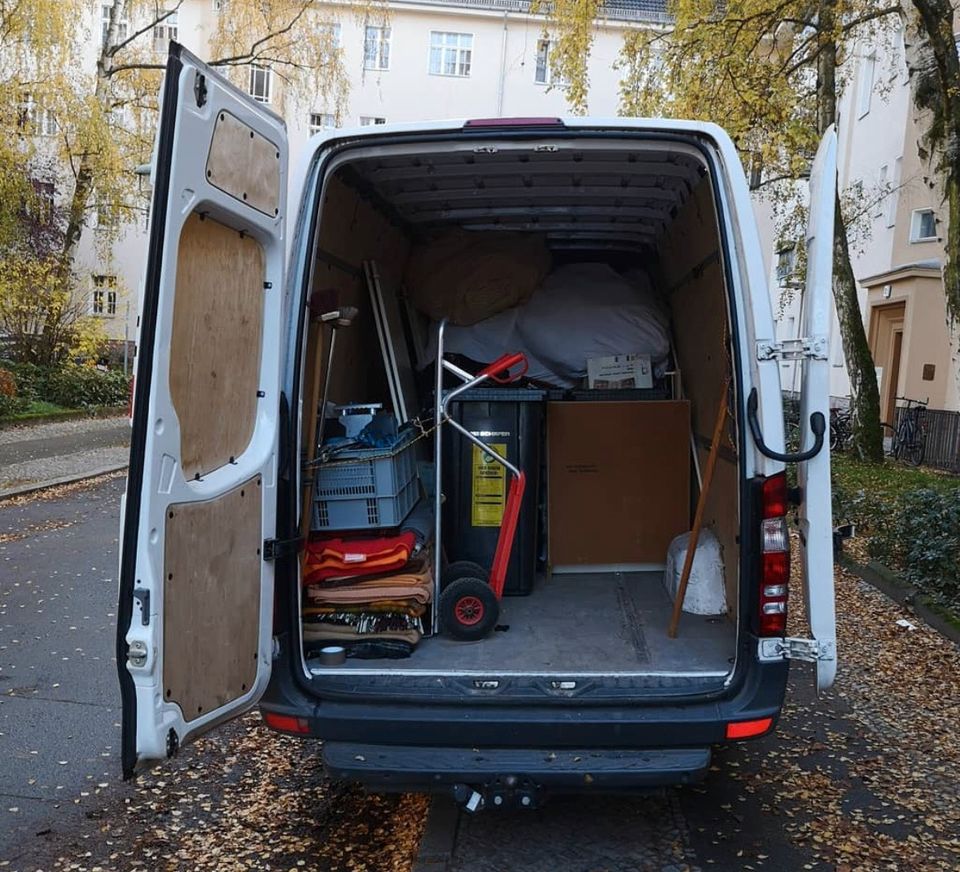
x=366, y=488
x=365, y=513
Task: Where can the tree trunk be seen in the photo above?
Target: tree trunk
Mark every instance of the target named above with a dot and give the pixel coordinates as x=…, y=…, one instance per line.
x=866, y=440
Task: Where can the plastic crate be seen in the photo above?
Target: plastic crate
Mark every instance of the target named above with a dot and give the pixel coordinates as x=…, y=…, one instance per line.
x=366, y=488
x=366, y=513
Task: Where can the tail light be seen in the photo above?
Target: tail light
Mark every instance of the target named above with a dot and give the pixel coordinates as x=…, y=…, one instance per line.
x=774, y=557
x=286, y=723
x=513, y=122
x=748, y=729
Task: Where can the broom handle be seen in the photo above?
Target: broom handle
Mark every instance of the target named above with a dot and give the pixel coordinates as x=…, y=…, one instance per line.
x=698, y=517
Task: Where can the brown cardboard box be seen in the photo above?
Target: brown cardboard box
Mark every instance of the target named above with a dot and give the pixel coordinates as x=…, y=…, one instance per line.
x=618, y=486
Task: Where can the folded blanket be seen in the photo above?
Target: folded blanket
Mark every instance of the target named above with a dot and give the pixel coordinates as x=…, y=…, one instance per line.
x=328, y=558
x=402, y=607
x=414, y=583
x=331, y=633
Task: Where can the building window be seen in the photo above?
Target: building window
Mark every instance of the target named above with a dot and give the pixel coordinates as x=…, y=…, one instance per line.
x=865, y=92
x=216, y=5
x=376, y=48
x=321, y=121
x=261, y=81
x=369, y=120
x=103, y=301
x=883, y=190
x=923, y=225
x=41, y=208
x=123, y=26
x=786, y=262
x=543, y=75
x=166, y=31
x=450, y=53
x=35, y=120
x=336, y=34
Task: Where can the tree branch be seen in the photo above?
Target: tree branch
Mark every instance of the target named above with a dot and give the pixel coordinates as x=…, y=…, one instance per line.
x=121, y=45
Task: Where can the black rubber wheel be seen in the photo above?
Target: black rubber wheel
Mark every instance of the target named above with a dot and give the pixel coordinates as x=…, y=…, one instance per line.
x=469, y=609
x=461, y=569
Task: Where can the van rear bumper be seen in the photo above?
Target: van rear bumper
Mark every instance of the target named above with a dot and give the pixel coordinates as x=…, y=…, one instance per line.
x=511, y=776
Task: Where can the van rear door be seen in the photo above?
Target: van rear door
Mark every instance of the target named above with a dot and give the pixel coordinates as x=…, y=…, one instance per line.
x=815, y=513
x=194, y=622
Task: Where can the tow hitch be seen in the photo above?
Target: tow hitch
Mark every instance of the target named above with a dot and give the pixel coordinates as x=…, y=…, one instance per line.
x=508, y=792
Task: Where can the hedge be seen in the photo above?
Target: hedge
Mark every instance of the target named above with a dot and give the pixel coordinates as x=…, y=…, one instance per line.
x=75, y=387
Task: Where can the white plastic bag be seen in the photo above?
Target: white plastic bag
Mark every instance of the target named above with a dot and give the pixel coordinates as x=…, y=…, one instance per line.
x=706, y=591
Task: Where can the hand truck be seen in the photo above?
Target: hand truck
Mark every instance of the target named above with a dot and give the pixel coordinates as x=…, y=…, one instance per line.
x=467, y=603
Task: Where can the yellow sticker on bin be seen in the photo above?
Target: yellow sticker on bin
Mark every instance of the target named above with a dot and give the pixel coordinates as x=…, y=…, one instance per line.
x=489, y=487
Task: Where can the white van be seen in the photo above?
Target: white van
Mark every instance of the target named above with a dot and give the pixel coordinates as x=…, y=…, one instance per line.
x=586, y=690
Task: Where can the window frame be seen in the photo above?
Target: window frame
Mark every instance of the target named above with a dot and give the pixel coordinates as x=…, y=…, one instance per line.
x=103, y=295
x=371, y=120
x=315, y=129
x=916, y=223
x=542, y=49
x=462, y=55
x=865, y=83
x=123, y=25
x=166, y=30
x=267, y=96
x=377, y=60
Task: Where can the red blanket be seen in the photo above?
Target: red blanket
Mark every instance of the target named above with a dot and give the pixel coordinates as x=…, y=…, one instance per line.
x=350, y=558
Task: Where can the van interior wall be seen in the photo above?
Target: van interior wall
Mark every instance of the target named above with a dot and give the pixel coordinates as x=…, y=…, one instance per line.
x=692, y=272
x=355, y=230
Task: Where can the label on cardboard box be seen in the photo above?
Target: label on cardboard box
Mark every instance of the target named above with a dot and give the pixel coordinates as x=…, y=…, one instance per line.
x=620, y=371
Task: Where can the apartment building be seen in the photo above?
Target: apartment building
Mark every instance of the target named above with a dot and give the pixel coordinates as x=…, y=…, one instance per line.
x=428, y=59
x=897, y=236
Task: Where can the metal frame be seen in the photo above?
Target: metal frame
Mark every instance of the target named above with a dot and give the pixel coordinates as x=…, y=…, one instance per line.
x=440, y=407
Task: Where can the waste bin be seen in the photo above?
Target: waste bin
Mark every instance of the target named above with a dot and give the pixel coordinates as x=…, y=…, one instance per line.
x=510, y=420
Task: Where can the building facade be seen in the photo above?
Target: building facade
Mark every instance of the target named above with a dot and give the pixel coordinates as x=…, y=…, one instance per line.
x=897, y=235
x=429, y=59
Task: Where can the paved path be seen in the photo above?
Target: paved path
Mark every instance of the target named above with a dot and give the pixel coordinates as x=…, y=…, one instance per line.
x=46, y=453
x=59, y=698
x=864, y=779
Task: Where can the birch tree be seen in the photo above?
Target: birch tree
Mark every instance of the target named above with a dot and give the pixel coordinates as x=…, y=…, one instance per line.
x=932, y=59
x=770, y=72
x=112, y=109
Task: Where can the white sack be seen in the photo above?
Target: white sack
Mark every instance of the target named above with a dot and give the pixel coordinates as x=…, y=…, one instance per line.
x=581, y=311
x=706, y=592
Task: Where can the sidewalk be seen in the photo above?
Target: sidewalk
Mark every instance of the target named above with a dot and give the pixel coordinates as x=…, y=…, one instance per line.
x=43, y=455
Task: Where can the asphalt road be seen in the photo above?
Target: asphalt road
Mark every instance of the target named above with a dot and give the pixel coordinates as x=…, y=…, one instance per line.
x=863, y=779
x=111, y=433
x=59, y=698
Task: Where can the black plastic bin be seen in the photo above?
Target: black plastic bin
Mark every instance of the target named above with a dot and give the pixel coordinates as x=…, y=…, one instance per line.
x=475, y=487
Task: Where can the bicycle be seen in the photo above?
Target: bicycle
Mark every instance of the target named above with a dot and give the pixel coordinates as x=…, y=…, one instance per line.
x=910, y=442
x=840, y=429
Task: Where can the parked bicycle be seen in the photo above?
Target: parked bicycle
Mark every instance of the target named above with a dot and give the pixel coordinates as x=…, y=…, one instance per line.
x=841, y=429
x=910, y=440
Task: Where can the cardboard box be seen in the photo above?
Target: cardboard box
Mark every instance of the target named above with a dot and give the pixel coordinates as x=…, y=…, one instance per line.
x=620, y=371
x=618, y=490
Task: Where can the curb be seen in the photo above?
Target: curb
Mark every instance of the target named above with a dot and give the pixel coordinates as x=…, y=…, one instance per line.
x=57, y=482
x=901, y=592
x=439, y=836
x=65, y=415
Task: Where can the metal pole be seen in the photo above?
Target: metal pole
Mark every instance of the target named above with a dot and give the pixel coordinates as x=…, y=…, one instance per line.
x=437, y=477
x=126, y=337
x=326, y=391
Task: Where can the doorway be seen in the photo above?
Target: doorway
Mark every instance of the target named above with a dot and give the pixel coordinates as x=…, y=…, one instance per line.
x=886, y=345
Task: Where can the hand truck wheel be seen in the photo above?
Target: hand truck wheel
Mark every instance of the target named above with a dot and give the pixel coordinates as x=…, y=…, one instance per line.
x=469, y=609
x=461, y=569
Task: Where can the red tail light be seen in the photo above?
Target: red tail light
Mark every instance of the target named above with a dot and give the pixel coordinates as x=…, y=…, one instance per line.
x=286, y=723
x=774, y=557
x=748, y=729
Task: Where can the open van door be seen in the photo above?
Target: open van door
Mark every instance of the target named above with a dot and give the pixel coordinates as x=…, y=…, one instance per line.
x=194, y=623
x=813, y=475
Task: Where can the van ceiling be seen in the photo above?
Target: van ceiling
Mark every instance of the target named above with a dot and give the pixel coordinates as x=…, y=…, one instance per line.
x=579, y=198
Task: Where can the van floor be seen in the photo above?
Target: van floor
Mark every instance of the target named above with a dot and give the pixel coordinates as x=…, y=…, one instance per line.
x=583, y=623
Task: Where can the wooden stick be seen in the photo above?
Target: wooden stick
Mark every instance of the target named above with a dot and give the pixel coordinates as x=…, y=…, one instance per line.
x=698, y=517
x=314, y=376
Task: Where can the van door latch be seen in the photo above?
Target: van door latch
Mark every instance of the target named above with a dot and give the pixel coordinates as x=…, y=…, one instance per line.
x=275, y=549
x=137, y=653
x=809, y=650
x=804, y=348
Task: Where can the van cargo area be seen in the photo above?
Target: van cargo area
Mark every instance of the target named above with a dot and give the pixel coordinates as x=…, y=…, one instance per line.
x=603, y=260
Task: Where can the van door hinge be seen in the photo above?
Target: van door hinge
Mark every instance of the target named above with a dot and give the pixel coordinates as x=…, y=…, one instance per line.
x=804, y=348
x=809, y=650
x=275, y=549
x=137, y=653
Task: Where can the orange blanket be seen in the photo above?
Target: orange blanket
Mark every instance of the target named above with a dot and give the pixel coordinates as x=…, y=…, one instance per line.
x=349, y=558
x=414, y=583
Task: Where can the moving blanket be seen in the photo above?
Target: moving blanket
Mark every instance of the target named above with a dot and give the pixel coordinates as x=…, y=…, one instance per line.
x=414, y=583
x=340, y=558
x=347, y=626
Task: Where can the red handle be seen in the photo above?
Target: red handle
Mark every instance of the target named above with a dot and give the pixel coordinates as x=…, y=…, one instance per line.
x=504, y=364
